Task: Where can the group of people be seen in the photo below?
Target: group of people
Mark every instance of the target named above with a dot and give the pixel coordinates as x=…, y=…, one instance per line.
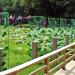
x=13, y=20
x=19, y=19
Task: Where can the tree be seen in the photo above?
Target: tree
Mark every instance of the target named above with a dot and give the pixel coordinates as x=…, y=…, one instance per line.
x=54, y=8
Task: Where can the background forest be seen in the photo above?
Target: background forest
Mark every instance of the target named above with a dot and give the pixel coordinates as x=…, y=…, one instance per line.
x=52, y=8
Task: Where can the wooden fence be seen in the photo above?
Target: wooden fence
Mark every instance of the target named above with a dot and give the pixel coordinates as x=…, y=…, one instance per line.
x=65, y=58
x=53, y=44
x=67, y=54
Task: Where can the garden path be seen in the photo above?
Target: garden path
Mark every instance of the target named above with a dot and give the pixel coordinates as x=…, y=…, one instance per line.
x=70, y=69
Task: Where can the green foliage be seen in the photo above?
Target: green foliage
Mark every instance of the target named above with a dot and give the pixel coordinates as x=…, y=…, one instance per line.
x=41, y=7
x=24, y=37
x=4, y=54
x=20, y=42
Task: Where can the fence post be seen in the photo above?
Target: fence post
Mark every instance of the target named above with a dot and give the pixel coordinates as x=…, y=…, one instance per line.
x=34, y=49
x=64, y=58
x=46, y=62
x=74, y=52
x=64, y=52
x=54, y=45
x=1, y=59
x=74, y=37
x=66, y=39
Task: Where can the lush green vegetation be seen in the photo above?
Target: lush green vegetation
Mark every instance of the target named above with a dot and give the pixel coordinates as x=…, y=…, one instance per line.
x=17, y=43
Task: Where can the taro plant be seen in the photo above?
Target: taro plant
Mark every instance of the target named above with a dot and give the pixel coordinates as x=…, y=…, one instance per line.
x=45, y=35
x=20, y=42
x=4, y=54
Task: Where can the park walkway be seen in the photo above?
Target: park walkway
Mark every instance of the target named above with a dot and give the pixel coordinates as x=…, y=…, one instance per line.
x=70, y=69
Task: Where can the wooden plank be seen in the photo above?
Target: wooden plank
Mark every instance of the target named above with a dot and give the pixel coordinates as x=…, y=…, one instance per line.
x=64, y=72
x=70, y=69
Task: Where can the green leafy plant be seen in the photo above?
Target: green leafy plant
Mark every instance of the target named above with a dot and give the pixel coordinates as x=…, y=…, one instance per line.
x=22, y=52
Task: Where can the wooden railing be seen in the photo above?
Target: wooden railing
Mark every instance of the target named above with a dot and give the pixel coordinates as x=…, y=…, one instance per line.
x=67, y=54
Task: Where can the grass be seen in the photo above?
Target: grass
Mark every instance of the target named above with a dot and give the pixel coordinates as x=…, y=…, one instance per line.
x=17, y=54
